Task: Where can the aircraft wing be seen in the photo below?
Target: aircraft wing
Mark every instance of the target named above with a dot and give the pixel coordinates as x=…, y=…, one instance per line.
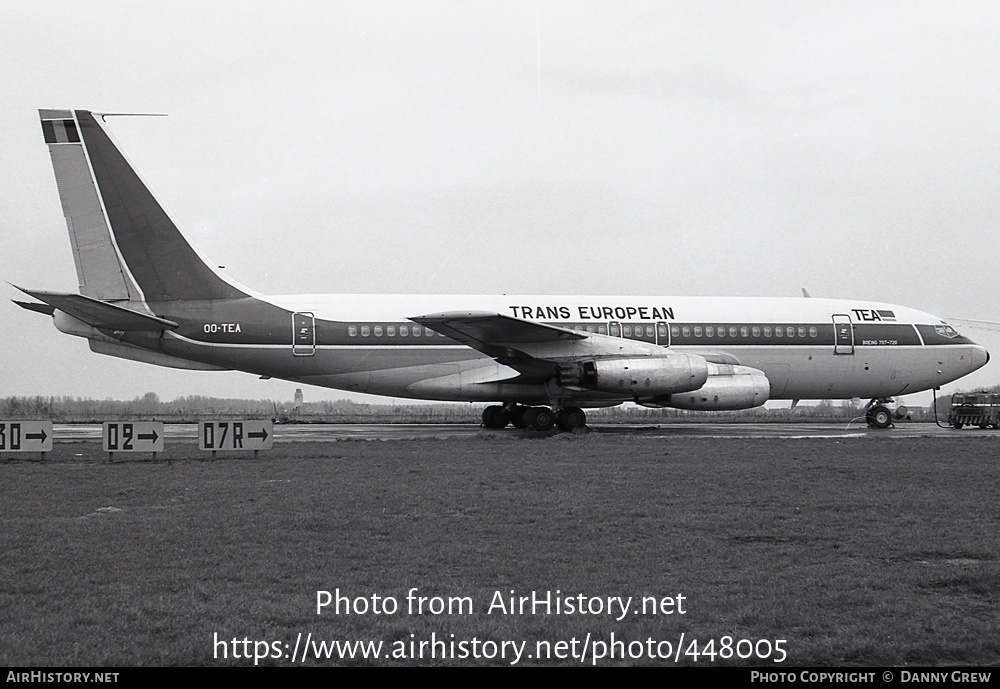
x=508, y=340
x=474, y=328
x=97, y=313
x=533, y=349
x=713, y=355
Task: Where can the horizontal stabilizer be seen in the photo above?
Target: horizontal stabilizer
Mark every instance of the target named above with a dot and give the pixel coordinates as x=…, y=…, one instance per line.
x=98, y=313
x=32, y=306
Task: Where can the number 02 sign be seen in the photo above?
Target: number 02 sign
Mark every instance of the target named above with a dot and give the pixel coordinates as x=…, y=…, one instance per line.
x=132, y=436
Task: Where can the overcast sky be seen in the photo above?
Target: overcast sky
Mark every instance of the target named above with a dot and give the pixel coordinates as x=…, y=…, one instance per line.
x=660, y=148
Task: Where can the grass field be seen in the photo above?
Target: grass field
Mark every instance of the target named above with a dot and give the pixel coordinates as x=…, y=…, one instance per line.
x=858, y=551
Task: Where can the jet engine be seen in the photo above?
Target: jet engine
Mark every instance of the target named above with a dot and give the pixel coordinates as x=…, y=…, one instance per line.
x=637, y=376
x=728, y=388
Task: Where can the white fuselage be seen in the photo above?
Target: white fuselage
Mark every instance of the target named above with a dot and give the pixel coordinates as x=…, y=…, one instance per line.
x=880, y=350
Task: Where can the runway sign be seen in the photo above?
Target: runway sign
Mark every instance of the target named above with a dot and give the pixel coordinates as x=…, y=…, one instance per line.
x=132, y=436
x=25, y=436
x=245, y=434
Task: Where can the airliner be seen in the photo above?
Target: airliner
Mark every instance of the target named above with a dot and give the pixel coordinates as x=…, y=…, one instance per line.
x=146, y=295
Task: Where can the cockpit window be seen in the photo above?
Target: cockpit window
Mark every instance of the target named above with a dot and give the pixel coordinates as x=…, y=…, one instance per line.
x=946, y=331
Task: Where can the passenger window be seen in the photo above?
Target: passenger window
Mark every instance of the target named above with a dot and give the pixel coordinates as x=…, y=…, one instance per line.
x=649, y=331
x=697, y=331
x=674, y=331
x=732, y=331
x=404, y=330
x=744, y=331
x=709, y=331
x=627, y=330
x=365, y=331
x=428, y=332
x=802, y=331
x=416, y=331
x=813, y=332
x=687, y=331
x=602, y=329
x=352, y=330
x=390, y=330
x=790, y=331
x=756, y=331
x=779, y=332
x=378, y=331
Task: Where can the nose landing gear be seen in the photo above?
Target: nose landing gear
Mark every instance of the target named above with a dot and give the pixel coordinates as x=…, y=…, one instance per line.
x=880, y=412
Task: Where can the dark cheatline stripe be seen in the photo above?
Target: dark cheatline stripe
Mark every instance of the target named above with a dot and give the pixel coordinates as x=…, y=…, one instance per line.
x=884, y=334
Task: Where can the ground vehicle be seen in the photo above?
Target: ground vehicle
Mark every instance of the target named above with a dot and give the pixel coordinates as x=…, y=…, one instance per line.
x=975, y=409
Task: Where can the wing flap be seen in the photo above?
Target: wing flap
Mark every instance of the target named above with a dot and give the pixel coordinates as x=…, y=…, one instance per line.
x=504, y=338
x=100, y=314
x=480, y=327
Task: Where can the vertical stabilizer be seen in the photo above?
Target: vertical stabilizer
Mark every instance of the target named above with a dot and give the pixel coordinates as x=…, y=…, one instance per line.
x=124, y=243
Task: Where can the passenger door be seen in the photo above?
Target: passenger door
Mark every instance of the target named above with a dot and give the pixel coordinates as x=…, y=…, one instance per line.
x=843, y=329
x=303, y=334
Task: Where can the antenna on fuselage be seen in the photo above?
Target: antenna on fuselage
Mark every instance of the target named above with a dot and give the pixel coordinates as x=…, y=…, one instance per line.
x=104, y=115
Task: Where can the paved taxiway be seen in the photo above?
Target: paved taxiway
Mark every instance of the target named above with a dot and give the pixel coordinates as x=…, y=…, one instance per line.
x=333, y=432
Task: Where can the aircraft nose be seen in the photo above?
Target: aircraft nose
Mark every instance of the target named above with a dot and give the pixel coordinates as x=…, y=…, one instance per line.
x=980, y=357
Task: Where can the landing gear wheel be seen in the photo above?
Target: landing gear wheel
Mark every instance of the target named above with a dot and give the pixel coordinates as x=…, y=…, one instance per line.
x=517, y=416
x=540, y=418
x=495, y=416
x=570, y=418
x=958, y=425
x=879, y=417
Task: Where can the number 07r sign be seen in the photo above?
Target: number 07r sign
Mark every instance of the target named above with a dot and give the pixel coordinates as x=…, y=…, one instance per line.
x=243, y=434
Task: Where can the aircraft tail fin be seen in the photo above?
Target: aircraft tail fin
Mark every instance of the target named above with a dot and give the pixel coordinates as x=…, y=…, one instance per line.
x=125, y=246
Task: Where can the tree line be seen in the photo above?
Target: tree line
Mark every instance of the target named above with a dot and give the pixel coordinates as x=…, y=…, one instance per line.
x=194, y=408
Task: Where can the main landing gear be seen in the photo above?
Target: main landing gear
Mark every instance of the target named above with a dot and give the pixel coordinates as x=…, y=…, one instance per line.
x=881, y=411
x=536, y=418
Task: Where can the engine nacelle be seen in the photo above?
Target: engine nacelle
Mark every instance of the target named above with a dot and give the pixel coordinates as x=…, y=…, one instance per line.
x=728, y=388
x=638, y=376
